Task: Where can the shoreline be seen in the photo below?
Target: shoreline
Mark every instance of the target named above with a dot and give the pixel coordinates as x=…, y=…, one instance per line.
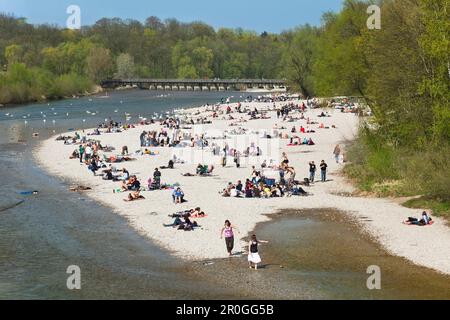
x=97, y=90
x=386, y=228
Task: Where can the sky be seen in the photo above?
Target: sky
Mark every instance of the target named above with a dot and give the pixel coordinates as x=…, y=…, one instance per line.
x=258, y=15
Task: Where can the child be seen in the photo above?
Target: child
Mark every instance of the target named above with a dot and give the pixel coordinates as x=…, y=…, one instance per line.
x=253, y=255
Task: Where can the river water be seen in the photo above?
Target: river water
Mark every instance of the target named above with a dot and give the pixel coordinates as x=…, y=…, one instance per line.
x=42, y=234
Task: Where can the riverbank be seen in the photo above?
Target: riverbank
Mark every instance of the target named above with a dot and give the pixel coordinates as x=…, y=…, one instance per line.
x=95, y=91
x=383, y=218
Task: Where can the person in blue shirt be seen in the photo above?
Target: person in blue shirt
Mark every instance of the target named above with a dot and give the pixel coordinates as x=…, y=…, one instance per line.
x=178, y=196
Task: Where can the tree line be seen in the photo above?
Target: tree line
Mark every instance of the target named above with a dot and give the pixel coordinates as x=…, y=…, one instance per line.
x=62, y=62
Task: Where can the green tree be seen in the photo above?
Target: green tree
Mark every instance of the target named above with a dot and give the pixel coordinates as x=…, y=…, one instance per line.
x=99, y=64
x=14, y=54
x=341, y=67
x=187, y=71
x=202, y=60
x=125, y=66
x=435, y=43
x=234, y=67
x=298, y=60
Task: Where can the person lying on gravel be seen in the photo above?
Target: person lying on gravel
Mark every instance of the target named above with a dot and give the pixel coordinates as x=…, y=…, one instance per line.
x=424, y=221
x=186, y=225
x=193, y=213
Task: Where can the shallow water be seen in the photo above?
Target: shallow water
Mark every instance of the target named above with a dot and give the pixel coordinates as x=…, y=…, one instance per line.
x=41, y=235
x=323, y=254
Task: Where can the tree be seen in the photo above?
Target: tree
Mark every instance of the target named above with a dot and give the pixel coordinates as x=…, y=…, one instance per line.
x=154, y=23
x=298, y=59
x=14, y=54
x=202, y=60
x=125, y=66
x=396, y=70
x=187, y=71
x=99, y=64
x=235, y=66
x=435, y=43
x=341, y=67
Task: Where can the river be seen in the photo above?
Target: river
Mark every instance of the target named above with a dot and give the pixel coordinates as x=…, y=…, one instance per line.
x=42, y=234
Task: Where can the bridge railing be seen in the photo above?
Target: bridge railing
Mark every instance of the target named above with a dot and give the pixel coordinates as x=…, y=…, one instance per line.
x=205, y=81
x=193, y=84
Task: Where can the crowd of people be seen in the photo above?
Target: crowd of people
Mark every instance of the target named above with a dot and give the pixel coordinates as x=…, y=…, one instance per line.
x=272, y=180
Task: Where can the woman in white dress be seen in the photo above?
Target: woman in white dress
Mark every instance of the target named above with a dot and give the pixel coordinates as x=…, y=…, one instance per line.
x=253, y=255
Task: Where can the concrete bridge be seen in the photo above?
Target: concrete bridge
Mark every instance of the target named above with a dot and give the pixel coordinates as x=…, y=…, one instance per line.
x=196, y=85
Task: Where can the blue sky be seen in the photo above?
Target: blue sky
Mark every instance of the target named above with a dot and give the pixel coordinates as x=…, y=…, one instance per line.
x=258, y=15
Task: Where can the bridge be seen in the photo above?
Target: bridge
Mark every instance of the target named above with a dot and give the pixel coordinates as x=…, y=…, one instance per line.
x=196, y=85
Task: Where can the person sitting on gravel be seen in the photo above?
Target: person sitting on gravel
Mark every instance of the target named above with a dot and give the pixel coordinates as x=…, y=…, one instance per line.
x=133, y=196
x=178, y=196
x=132, y=184
x=169, y=166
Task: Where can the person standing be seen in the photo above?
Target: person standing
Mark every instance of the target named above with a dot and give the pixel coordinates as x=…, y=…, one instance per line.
x=224, y=157
x=228, y=232
x=237, y=159
x=81, y=152
x=88, y=152
x=323, y=170
x=312, y=171
x=142, y=138
x=253, y=254
x=337, y=153
x=157, y=178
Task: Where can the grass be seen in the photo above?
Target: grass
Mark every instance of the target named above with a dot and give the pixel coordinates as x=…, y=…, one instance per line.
x=386, y=171
x=440, y=208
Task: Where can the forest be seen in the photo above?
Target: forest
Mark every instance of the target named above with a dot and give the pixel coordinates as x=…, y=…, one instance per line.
x=402, y=70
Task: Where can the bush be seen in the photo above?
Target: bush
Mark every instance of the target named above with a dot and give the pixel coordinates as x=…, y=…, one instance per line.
x=69, y=84
x=21, y=84
x=388, y=171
